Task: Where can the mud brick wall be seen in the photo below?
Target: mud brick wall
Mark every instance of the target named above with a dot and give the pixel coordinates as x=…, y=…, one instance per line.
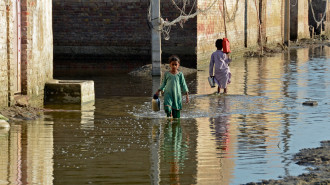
x=3, y=56
x=114, y=29
x=37, y=48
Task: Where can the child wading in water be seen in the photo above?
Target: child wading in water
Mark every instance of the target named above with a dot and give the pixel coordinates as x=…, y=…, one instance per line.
x=173, y=85
x=219, y=61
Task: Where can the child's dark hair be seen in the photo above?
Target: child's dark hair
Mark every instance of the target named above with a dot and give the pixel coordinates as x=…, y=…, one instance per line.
x=218, y=44
x=174, y=58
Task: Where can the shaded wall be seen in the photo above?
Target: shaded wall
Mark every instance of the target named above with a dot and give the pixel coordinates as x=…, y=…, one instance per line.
x=115, y=30
x=316, y=11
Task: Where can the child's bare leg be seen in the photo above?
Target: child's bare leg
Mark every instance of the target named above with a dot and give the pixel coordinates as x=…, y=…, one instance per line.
x=225, y=90
x=218, y=89
x=168, y=111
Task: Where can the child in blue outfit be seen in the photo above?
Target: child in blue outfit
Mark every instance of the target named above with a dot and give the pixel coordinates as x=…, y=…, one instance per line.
x=173, y=85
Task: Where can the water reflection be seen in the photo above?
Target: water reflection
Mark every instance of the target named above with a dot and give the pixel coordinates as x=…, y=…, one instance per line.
x=220, y=125
x=247, y=135
x=174, y=150
x=215, y=145
x=178, y=154
x=156, y=133
x=26, y=154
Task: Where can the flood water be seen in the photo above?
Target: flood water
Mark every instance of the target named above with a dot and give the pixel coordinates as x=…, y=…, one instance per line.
x=247, y=135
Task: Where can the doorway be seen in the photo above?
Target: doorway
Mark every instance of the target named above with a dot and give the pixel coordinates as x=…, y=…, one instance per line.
x=294, y=20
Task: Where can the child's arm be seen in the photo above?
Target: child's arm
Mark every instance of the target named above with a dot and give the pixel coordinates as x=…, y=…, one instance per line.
x=157, y=92
x=227, y=60
x=211, y=65
x=184, y=87
x=162, y=87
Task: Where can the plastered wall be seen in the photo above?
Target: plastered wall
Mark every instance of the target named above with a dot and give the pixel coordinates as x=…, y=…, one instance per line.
x=37, y=41
x=3, y=56
x=25, y=75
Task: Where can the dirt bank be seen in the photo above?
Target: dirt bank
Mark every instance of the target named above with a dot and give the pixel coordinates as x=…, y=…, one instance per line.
x=145, y=71
x=317, y=161
x=270, y=50
x=16, y=113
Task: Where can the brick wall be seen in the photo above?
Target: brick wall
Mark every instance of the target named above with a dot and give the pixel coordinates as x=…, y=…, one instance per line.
x=115, y=29
x=3, y=56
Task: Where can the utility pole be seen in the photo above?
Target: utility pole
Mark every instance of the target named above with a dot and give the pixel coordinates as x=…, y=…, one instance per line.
x=287, y=23
x=156, y=52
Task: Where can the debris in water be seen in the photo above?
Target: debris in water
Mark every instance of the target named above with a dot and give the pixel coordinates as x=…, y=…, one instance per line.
x=310, y=103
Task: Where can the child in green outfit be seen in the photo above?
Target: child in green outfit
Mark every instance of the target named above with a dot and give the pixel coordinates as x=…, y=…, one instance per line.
x=172, y=85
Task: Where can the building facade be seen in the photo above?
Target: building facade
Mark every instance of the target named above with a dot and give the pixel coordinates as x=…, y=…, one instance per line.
x=112, y=28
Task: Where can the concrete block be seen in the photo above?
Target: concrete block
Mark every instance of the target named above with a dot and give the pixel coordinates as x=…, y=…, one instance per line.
x=69, y=92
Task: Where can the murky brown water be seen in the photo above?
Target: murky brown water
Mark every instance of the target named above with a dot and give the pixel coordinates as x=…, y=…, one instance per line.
x=247, y=135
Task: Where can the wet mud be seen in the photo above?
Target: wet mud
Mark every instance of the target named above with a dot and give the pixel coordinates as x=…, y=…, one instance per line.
x=270, y=50
x=18, y=113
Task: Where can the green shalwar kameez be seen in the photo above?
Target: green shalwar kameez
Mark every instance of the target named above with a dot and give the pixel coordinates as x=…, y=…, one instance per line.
x=173, y=85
